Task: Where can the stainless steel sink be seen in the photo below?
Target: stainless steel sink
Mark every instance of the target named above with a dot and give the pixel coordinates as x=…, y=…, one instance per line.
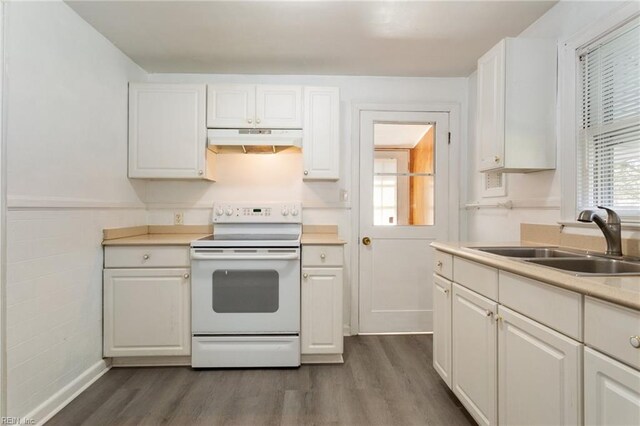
x=591, y=265
x=530, y=252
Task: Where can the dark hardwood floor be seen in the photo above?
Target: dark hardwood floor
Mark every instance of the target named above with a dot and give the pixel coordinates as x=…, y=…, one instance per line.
x=385, y=380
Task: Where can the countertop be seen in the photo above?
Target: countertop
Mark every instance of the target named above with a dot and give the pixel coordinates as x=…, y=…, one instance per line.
x=622, y=290
x=182, y=235
x=154, y=240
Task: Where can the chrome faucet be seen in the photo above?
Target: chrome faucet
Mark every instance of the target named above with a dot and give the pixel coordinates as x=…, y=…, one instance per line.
x=611, y=229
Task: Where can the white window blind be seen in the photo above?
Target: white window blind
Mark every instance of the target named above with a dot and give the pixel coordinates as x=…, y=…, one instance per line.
x=609, y=134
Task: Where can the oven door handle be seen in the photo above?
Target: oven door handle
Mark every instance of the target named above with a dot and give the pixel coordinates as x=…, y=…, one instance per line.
x=244, y=256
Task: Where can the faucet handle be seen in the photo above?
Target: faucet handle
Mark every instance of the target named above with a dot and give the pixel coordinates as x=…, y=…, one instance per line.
x=612, y=216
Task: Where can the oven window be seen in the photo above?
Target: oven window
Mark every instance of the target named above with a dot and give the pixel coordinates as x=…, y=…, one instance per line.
x=242, y=291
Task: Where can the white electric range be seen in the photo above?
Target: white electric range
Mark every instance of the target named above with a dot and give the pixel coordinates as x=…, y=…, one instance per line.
x=245, y=287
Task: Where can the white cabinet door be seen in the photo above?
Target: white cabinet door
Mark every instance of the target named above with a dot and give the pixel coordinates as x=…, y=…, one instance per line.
x=321, y=323
x=279, y=107
x=611, y=391
x=231, y=106
x=167, y=131
x=442, y=328
x=539, y=373
x=321, y=142
x=147, y=312
x=491, y=104
x=474, y=350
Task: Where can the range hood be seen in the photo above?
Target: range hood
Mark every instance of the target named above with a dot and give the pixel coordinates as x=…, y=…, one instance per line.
x=254, y=140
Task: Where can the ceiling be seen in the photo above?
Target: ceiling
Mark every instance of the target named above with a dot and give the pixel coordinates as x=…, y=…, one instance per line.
x=387, y=135
x=394, y=38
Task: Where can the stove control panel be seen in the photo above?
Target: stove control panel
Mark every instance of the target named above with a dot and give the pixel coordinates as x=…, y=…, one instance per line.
x=257, y=213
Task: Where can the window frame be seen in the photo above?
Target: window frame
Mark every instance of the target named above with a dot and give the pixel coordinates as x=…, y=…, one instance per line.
x=569, y=96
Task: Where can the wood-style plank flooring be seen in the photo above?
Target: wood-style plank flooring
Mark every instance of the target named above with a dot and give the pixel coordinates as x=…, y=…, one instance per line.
x=385, y=380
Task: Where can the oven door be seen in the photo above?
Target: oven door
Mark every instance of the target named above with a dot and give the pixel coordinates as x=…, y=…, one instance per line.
x=245, y=291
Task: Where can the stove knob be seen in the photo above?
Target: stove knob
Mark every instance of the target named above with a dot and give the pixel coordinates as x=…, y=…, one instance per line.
x=219, y=211
x=285, y=211
x=294, y=212
x=229, y=211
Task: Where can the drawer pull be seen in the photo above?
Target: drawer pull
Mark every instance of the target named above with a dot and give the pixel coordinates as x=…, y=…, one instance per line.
x=635, y=341
x=146, y=257
x=439, y=264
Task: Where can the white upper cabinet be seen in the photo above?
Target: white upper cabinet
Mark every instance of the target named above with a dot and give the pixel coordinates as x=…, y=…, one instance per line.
x=321, y=140
x=279, y=107
x=167, y=132
x=231, y=106
x=516, y=106
x=240, y=106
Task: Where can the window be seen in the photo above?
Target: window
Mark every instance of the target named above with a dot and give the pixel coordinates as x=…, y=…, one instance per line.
x=608, y=148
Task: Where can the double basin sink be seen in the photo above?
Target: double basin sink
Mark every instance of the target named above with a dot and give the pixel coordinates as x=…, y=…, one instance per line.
x=572, y=261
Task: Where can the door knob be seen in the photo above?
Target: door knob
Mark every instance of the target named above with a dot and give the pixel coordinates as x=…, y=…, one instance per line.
x=635, y=341
x=366, y=241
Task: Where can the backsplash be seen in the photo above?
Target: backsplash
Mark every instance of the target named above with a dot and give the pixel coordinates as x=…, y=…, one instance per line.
x=559, y=236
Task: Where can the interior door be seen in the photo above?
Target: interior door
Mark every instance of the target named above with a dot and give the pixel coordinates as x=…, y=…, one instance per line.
x=403, y=207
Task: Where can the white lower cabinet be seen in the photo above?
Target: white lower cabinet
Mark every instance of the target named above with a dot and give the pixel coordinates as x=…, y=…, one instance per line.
x=321, y=334
x=538, y=373
x=442, y=327
x=474, y=366
x=321, y=310
x=611, y=391
x=147, y=312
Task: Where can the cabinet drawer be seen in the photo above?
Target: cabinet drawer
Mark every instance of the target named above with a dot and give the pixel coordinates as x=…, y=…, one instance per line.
x=609, y=327
x=554, y=307
x=477, y=277
x=146, y=257
x=443, y=264
x=322, y=255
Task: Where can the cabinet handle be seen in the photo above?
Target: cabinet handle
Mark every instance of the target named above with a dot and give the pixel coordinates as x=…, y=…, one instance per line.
x=635, y=341
x=439, y=264
x=323, y=256
x=305, y=275
x=446, y=291
x=496, y=159
x=249, y=121
x=257, y=120
x=186, y=276
x=200, y=172
x=498, y=318
x=488, y=313
x=146, y=257
x=306, y=172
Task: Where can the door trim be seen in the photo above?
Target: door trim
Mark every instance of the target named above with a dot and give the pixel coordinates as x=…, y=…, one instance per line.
x=453, y=202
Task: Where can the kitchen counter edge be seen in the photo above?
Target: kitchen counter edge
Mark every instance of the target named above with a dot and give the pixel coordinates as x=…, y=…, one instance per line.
x=602, y=287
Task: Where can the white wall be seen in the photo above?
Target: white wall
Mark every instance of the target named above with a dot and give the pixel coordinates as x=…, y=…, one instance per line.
x=539, y=188
x=67, y=165
x=279, y=177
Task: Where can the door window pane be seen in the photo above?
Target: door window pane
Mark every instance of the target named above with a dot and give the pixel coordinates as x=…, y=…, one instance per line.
x=241, y=291
x=404, y=174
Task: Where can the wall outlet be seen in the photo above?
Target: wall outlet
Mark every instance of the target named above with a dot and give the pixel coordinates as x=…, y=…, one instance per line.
x=178, y=218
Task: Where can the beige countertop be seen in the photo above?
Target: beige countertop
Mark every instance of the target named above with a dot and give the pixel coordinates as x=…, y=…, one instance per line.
x=324, y=239
x=623, y=290
x=154, y=240
x=184, y=234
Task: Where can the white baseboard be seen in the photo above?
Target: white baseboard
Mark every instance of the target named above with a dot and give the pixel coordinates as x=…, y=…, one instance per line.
x=151, y=361
x=321, y=359
x=64, y=396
